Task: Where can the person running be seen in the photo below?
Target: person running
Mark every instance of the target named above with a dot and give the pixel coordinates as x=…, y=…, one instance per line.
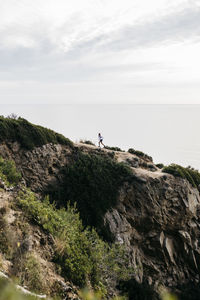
x=100, y=140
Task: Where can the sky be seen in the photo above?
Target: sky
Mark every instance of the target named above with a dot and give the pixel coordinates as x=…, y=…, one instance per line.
x=99, y=51
x=129, y=69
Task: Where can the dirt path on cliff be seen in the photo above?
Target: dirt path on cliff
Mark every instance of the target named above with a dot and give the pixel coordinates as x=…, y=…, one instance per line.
x=125, y=157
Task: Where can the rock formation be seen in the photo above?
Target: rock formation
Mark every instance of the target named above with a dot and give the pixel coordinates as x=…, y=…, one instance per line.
x=156, y=216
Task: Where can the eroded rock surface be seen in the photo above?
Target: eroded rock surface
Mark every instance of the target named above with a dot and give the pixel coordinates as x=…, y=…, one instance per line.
x=158, y=221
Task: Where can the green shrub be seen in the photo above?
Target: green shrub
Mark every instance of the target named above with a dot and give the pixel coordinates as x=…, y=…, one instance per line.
x=12, y=116
x=93, y=182
x=29, y=135
x=160, y=166
x=139, y=153
x=82, y=255
x=87, y=142
x=193, y=176
x=114, y=148
x=8, y=172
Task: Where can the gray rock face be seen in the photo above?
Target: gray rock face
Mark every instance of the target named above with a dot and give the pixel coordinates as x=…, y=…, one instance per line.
x=158, y=221
x=39, y=167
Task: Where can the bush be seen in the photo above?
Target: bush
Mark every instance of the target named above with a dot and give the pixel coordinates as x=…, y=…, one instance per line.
x=139, y=153
x=8, y=172
x=93, y=182
x=160, y=166
x=114, y=149
x=12, y=116
x=87, y=142
x=82, y=255
x=193, y=176
x=29, y=135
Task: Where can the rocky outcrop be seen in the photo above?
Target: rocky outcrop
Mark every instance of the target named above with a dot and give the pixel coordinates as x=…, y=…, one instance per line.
x=156, y=216
x=42, y=166
x=158, y=221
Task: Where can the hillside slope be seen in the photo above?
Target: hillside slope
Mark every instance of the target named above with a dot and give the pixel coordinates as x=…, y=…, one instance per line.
x=26, y=251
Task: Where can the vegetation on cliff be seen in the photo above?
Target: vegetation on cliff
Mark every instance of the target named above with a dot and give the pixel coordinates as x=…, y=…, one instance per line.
x=140, y=154
x=8, y=291
x=114, y=149
x=80, y=254
x=160, y=165
x=83, y=257
x=93, y=182
x=28, y=134
x=8, y=172
x=87, y=142
x=192, y=175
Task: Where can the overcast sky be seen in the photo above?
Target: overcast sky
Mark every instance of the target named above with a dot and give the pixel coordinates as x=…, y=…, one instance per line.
x=99, y=51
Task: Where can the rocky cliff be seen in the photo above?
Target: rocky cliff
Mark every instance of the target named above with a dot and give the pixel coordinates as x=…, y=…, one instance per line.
x=156, y=215
x=157, y=218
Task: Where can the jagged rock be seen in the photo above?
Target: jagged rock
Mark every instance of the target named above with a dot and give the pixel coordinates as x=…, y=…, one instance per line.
x=159, y=227
x=27, y=244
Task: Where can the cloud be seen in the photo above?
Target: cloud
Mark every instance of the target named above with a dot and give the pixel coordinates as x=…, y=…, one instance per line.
x=96, y=25
x=98, y=44
x=177, y=27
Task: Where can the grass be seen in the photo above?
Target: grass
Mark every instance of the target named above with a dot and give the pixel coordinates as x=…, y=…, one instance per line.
x=83, y=257
x=9, y=292
x=32, y=274
x=28, y=134
x=190, y=174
